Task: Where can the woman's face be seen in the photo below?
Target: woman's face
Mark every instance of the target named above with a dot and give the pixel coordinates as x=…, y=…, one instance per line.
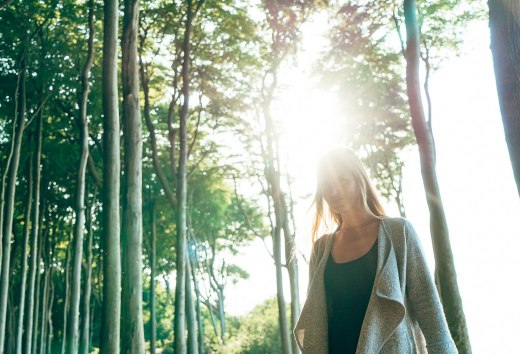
x=340, y=190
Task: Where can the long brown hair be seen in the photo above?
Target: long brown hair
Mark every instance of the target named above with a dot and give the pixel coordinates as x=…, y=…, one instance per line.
x=343, y=159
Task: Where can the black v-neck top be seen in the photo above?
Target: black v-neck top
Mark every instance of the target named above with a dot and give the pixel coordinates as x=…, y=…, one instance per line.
x=348, y=287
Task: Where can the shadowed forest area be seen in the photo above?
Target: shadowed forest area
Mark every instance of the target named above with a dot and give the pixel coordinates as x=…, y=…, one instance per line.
x=140, y=153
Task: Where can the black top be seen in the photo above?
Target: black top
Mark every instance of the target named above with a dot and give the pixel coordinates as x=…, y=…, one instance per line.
x=348, y=287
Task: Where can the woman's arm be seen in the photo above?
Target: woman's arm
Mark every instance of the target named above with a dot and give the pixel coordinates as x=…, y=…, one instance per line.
x=424, y=299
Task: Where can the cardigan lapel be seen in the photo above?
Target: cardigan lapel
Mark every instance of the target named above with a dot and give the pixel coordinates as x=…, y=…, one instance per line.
x=311, y=331
x=386, y=308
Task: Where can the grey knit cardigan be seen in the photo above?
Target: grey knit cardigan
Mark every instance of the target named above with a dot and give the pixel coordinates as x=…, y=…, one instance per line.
x=404, y=313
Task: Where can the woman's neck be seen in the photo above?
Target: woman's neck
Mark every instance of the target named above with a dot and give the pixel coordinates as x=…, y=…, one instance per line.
x=356, y=219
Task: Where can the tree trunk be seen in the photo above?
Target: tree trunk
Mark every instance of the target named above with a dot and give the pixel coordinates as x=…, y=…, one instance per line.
x=50, y=324
x=193, y=347
x=39, y=289
x=198, y=309
x=282, y=315
x=10, y=324
x=505, y=32
x=17, y=96
x=153, y=324
x=67, y=292
x=9, y=211
x=180, y=288
x=111, y=305
x=73, y=325
x=51, y=295
x=132, y=311
x=23, y=281
x=221, y=313
x=273, y=178
x=445, y=274
x=85, y=319
x=292, y=267
x=45, y=297
x=34, y=239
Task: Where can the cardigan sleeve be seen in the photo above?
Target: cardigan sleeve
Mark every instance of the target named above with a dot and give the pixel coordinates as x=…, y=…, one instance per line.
x=424, y=299
x=312, y=264
x=316, y=254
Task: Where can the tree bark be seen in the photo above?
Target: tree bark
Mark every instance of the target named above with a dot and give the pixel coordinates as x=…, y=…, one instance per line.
x=51, y=294
x=445, y=273
x=84, y=343
x=111, y=305
x=73, y=325
x=191, y=320
x=23, y=281
x=34, y=238
x=50, y=323
x=282, y=315
x=45, y=297
x=180, y=288
x=198, y=309
x=132, y=311
x=66, y=303
x=9, y=211
x=153, y=323
x=292, y=268
x=273, y=179
x=17, y=96
x=39, y=289
x=505, y=47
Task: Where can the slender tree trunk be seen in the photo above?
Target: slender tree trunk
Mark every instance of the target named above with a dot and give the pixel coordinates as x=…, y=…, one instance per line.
x=45, y=297
x=221, y=312
x=23, y=281
x=505, y=47
x=17, y=96
x=153, y=324
x=277, y=250
x=445, y=273
x=39, y=289
x=67, y=293
x=73, y=325
x=292, y=267
x=9, y=212
x=34, y=239
x=180, y=291
x=193, y=347
x=212, y=317
x=111, y=305
x=273, y=179
x=198, y=309
x=50, y=323
x=85, y=319
x=51, y=294
x=132, y=310
x=10, y=325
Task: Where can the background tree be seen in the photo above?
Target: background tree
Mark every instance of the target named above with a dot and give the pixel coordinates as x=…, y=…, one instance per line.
x=504, y=33
x=131, y=305
x=111, y=306
x=445, y=274
x=73, y=329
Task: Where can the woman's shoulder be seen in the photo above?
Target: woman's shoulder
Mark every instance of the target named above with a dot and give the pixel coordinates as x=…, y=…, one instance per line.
x=320, y=242
x=397, y=222
x=399, y=229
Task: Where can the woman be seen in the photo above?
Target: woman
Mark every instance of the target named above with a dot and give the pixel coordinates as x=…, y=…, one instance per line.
x=370, y=290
